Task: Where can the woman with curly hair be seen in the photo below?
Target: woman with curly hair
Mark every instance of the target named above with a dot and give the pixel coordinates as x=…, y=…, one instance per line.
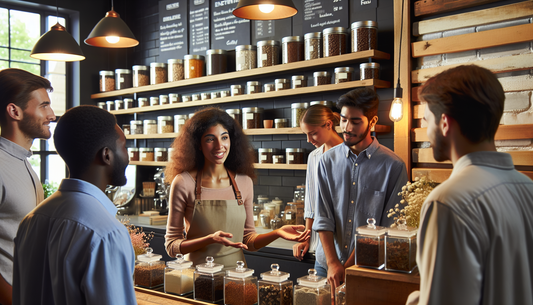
x=211, y=194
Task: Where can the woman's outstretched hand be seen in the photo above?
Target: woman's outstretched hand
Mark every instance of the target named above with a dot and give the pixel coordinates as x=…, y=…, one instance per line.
x=294, y=233
x=221, y=237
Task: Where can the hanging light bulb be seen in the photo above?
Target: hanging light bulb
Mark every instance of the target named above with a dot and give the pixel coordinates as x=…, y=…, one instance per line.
x=266, y=8
x=112, y=39
x=396, y=107
x=57, y=45
x=111, y=32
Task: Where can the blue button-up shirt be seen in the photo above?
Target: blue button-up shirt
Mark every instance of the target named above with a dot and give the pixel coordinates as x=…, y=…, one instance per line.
x=353, y=188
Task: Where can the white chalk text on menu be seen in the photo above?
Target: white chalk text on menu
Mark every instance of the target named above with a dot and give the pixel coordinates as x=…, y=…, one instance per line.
x=172, y=29
x=199, y=26
x=228, y=30
x=321, y=14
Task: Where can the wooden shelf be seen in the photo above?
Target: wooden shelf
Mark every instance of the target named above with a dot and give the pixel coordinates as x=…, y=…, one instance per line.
x=442, y=174
x=504, y=132
x=425, y=155
x=344, y=59
x=256, y=165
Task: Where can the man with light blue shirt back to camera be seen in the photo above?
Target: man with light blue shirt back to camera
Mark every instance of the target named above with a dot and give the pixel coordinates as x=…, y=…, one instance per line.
x=358, y=180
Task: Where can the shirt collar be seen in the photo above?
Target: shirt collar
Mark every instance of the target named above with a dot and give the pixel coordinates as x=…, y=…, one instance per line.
x=485, y=158
x=368, y=152
x=14, y=149
x=90, y=189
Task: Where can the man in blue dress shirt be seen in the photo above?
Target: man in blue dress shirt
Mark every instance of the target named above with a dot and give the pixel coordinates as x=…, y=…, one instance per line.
x=71, y=249
x=358, y=180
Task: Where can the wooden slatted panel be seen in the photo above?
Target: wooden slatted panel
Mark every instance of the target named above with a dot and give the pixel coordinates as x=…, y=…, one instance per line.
x=475, y=18
x=442, y=174
x=418, y=111
x=425, y=155
x=504, y=132
x=473, y=41
x=425, y=7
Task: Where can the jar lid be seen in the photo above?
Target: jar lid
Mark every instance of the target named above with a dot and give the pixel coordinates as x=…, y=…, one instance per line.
x=313, y=35
x=271, y=86
x=291, y=39
x=312, y=280
x=267, y=150
x=402, y=229
x=150, y=121
x=192, y=56
x=235, y=87
x=245, y=47
x=157, y=65
x=253, y=109
x=127, y=100
x=343, y=69
x=162, y=96
x=366, y=24
x=281, y=120
x=136, y=122
x=160, y=149
x=262, y=197
x=209, y=266
x=281, y=80
x=267, y=43
x=164, y=118
x=110, y=102
x=179, y=263
x=181, y=116
x=133, y=148
x=173, y=94
x=233, y=111
x=325, y=103
x=142, y=99
x=240, y=271
x=149, y=256
x=216, y=51
x=122, y=71
x=299, y=105
x=146, y=149
x=334, y=30
x=196, y=95
x=119, y=101
x=174, y=61
x=107, y=73
x=366, y=65
x=294, y=150
x=371, y=228
x=298, y=77
x=275, y=275
x=252, y=83
x=155, y=98
x=320, y=73
x=139, y=67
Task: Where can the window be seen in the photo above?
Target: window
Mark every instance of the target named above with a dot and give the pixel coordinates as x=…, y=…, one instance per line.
x=20, y=28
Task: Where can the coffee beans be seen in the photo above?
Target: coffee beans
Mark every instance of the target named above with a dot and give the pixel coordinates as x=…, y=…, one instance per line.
x=141, y=77
x=369, y=70
x=107, y=81
x=149, y=275
x=175, y=70
x=313, y=45
x=240, y=293
x=292, y=49
x=343, y=74
x=209, y=288
x=273, y=295
x=267, y=53
x=216, y=62
x=370, y=252
x=321, y=78
x=245, y=57
x=158, y=73
x=334, y=41
x=364, y=36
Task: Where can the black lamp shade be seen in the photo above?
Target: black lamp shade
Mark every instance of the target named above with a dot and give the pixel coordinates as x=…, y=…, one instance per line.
x=57, y=45
x=111, y=25
x=249, y=9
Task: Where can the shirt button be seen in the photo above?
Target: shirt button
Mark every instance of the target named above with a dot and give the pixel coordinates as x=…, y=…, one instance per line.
x=349, y=233
x=354, y=183
x=349, y=220
x=352, y=201
x=355, y=164
x=345, y=247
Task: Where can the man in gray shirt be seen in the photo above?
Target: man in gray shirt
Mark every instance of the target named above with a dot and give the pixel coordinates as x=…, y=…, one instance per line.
x=25, y=114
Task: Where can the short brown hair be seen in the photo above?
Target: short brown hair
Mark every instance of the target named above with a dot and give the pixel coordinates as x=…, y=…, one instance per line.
x=16, y=85
x=471, y=95
x=366, y=99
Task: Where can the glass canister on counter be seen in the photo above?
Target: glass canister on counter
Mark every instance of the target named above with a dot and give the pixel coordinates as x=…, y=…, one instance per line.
x=298, y=81
x=369, y=70
x=209, y=281
x=216, y=61
x=251, y=117
x=179, y=121
x=400, y=248
x=193, y=66
x=176, y=70
x=267, y=53
x=141, y=76
x=334, y=41
x=340, y=295
x=123, y=79
x=292, y=49
x=107, y=81
x=343, y=74
x=297, y=109
x=364, y=35
x=313, y=45
x=295, y=155
x=149, y=270
x=240, y=286
x=158, y=73
x=321, y=78
x=165, y=124
x=245, y=57
x=370, y=245
x=312, y=289
x=275, y=287
x=235, y=114
x=179, y=275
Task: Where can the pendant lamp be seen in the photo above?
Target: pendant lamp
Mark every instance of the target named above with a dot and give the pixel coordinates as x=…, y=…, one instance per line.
x=265, y=9
x=57, y=45
x=111, y=32
x=396, y=108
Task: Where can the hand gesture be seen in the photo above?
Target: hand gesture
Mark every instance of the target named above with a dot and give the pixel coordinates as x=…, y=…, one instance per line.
x=294, y=233
x=335, y=276
x=300, y=249
x=222, y=238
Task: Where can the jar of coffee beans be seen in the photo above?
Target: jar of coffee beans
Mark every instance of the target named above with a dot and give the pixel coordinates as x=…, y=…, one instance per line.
x=160, y=154
x=176, y=71
x=240, y=286
x=235, y=114
x=236, y=90
x=158, y=73
x=141, y=76
x=253, y=87
x=251, y=117
x=334, y=42
x=275, y=287
x=364, y=35
x=343, y=74
x=370, y=245
x=149, y=269
x=298, y=81
x=267, y=53
x=295, y=155
x=216, y=61
x=209, y=281
x=194, y=66
x=133, y=152
x=292, y=49
x=282, y=84
x=369, y=70
x=123, y=79
x=322, y=78
x=313, y=45
x=107, y=81
x=245, y=57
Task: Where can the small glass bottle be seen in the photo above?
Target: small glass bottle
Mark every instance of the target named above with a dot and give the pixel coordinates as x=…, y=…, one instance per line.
x=267, y=53
x=225, y=93
x=194, y=66
x=312, y=289
x=205, y=96
x=141, y=76
x=123, y=79
x=149, y=270
x=216, y=61
x=179, y=276
x=340, y=295
x=240, y=287
x=158, y=73
x=297, y=109
x=253, y=87
x=165, y=124
x=107, y=81
x=245, y=57
x=292, y=49
x=370, y=245
x=186, y=98
x=313, y=45
x=369, y=70
x=215, y=94
x=322, y=78
x=196, y=97
x=265, y=155
x=298, y=81
x=126, y=128
x=275, y=287
x=209, y=281
x=364, y=35
x=343, y=74
x=334, y=41
x=176, y=71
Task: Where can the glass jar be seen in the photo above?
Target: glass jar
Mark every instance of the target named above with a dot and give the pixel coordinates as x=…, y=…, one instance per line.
x=215, y=94
x=299, y=194
x=251, y=117
x=236, y=90
x=292, y=49
x=149, y=270
x=275, y=287
x=298, y=81
x=265, y=155
x=160, y=154
x=150, y=126
x=322, y=78
x=216, y=61
x=107, y=81
x=225, y=93
x=253, y=87
x=128, y=103
x=143, y=102
x=179, y=121
x=119, y=104
x=154, y=100
x=312, y=289
x=269, y=87
x=291, y=211
x=400, y=248
x=209, y=281
x=281, y=123
x=123, y=79
x=340, y=295
x=205, y=96
x=110, y=105
x=179, y=275
x=136, y=127
x=163, y=99
x=101, y=105
x=278, y=159
x=267, y=53
x=165, y=124
x=334, y=41
x=196, y=97
x=158, y=73
x=328, y=104
x=147, y=154
x=174, y=98
x=245, y=57
x=235, y=114
x=364, y=35
x=295, y=155
x=141, y=76
x=369, y=70
x=194, y=66
x=133, y=152
x=282, y=84
x=343, y=74
x=176, y=71
x=370, y=245
x=186, y=98
x=313, y=45
x=126, y=129
x=297, y=109
x=240, y=287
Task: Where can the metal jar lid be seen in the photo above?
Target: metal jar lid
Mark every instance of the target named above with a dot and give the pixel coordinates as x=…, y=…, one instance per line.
x=313, y=35
x=281, y=120
x=140, y=67
x=267, y=43
x=297, y=150
x=298, y=77
x=281, y=80
x=343, y=69
x=252, y=83
x=160, y=149
x=334, y=30
x=157, y=65
x=128, y=100
x=164, y=118
x=299, y=105
x=136, y=122
x=175, y=61
x=150, y=122
x=325, y=103
x=320, y=73
x=291, y=39
x=110, y=102
x=252, y=110
x=267, y=150
x=235, y=87
x=215, y=51
x=133, y=149
x=367, y=65
x=364, y=24
x=191, y=56
x=233, y=111
x=119, y=101
x=122, y=71
x=245, y=47
x=146, y=149
x=181, y=117
x=107, y=73
x=142, y=99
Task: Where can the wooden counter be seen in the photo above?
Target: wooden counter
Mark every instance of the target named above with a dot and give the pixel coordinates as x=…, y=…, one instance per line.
x=376, y=287
x=152, y=297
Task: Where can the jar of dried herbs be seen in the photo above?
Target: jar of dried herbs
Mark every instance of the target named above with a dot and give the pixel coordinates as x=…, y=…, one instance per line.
x=275, y=287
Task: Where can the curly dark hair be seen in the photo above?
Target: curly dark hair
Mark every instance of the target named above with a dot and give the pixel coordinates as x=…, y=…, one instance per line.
x=365, y=99
x=187, y=155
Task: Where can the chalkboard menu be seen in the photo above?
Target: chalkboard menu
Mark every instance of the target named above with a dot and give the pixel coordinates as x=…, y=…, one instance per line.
x=198, y=26
x=173, y=34
x=322, y=14
x=228, y=30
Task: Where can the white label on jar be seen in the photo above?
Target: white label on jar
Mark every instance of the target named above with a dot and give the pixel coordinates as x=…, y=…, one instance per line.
x=255, y=218
x=181, y=121
x=268, y=88
x=224, y=94
x=343, y=75
x=235, y=91
x=311, y=48
x=264, y=56
x=291, y=158
x=143, y=155
x=249, y=116
x=173, y=99
x=121, y=80
x=159, y=154
x=263, y=157
x=279, y=86
x=131, y=155
x=192, y=67
x=239, y=67
x=297, y=82
x=165, y=123
x=126, y=131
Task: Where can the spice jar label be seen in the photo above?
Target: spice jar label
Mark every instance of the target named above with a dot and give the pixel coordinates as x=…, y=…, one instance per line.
x=249, y=116
x=235, y=91
x=297, y=82
x=343, y=75
x=159, y=154
x=291, y=158
x=181, y=121
x=279, y=86
x=264, y=56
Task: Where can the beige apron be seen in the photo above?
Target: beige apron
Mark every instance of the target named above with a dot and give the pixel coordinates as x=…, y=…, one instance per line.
x=210, y=216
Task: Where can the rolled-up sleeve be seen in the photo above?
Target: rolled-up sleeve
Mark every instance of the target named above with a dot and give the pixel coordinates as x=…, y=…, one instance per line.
x=324, y=213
